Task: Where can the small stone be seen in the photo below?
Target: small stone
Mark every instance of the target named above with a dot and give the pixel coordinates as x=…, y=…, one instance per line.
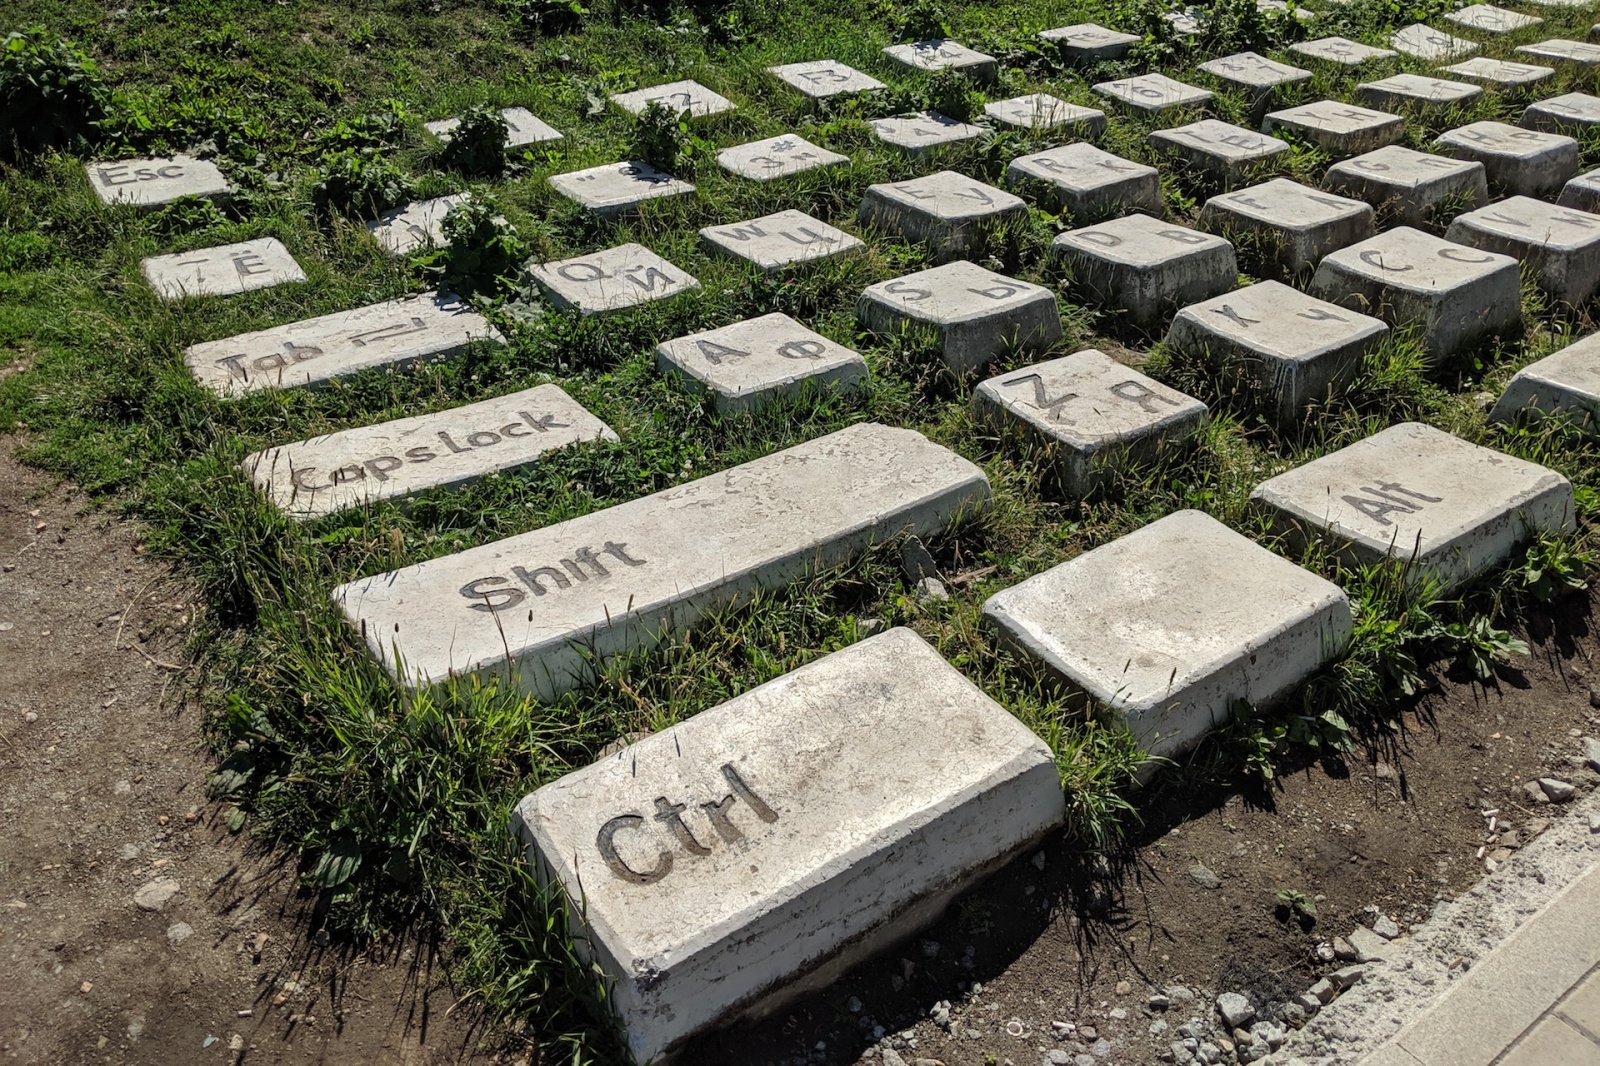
x=1385, y=927
x=1368, y=945
x=1323, y=992
x=1180, y=994
x=1117, y=1014
x=1591, y=746
x=1038, y=861
x=1534, y=793
x=1559, y=791
x=178, y=932
x=85, y=987
x=1594, y=822
x=1343, y=951
x=1160, y=1001
x=1348, y=977
x=153, y=895
x=1088, y=1033
x=931, y=590
x=1235, y=1009
x=1123, y=988
x=1308, y=1002
x=1203, y=877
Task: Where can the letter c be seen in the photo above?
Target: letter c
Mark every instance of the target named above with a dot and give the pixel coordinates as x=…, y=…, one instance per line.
x=606, y=842
x=1454, y=255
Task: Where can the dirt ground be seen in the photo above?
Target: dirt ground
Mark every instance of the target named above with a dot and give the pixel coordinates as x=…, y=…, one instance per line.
x=102, y=804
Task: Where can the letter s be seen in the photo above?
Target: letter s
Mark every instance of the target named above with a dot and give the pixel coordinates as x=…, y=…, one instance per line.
x=491, y=599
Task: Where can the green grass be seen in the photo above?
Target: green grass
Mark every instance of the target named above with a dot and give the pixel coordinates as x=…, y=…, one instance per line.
x=398, y=802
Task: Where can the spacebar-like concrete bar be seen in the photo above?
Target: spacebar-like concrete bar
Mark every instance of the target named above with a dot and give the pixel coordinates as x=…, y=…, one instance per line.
x=758, y=849
x=538, y=606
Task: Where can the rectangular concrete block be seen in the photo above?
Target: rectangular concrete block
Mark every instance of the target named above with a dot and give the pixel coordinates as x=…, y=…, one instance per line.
x=1226, y=153
x=1455, y=297
x=225, y=270
x=689, y=99
x=1086, y=42
x=1086, y=183
x=148, y=183
x=752, y=363
x=1295, y=225
x=1559, y=50
x=954, y=215
x=1414, y=90
x=1254, y=73
x=1560, y=244
x=1092, y=412
x=924, y=132
x=613, y=280
x=1518, y=161
x=1152, y=93
x=394, y=334
x=618, y=188
x=1142, y=625
x=1340, y=51
x=1565, y=113
x=762, y=847
x=977, y=314
x=1337, y=126
x=776, y=157
x=1486, y=18
x=445, y=449
x=1147, y=268
x=1498, y=72
x=1425, y=42
x=1410, y=187
x=523, y=128
x=1565, y=383
x=938, y=55
x=1582, y=192
x=784, y=239
x=1041, y=111
x=538, y=606
x=419, y=224
x=1415, y=492
x=822, y=78
x=1295, y=349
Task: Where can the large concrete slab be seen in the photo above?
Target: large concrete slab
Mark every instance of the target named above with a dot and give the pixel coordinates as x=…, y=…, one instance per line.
x=1153, y=93
x=1341, y=51
x=1455, y=297
x=977, y=314
x=1086, y=42
x=1338, y=126
x=1041, y=111
x=686, y=98
x=1565, y=383
x=1417, y=91
x=1499, y=73
x=1092, y=413
x=1562, y=246
x=956, y=216
x=523, y=128
x=1582, y=192
x=1293, y=225
x=946, y=54
x=924, y=132
x=1518, y=161
x=415, y=225
x=1486, y=18
x=1086, y=183
x=1295, y=350
x=394, y=334
x=445, y=449
x=776, y=157
x=1568, y=112
x=822, y=78
x=1174, y=623
x=749, y=364
x=1425, y=42
x=1147, y=268
x=1410, y=187
x=148, y=183
x=618, y=188
x=780, y=240
x=1255, y=74
x=225, y=270
x=538, y=606
x=1222, y=151
x=760, y=848
x=1559, y=50
x=1454, y=510
x=612, y=280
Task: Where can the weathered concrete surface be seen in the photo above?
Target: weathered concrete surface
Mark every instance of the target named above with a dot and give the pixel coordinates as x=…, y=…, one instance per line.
x=1414, y=90
x=688, y=98
x=1302, y=224
x=147, y=183
x=1566, y=382
x=786, y=834
x=944, y=55
x=1041, y=111
x=953, y=214
x=1152, y=93
x=225, y=270
x=1559, y=50
x=1560, y=244
x=977, y=314
x=1457, y=297
x=924, y=131
x=1490, y=19
x=1425, y=42
x=394, y=334
x=1297, y=350
x=1412, y=492
x=1087, y=183
x=754, y=362
x=823, y=78
x=538, y=606
x=618, y=188
x=1087, y=42
x=611, y=280
x=1568, y=112
x=444, y=449
x=1499, y=72
x=780, y=240
x=1518, y=161
x=776, y=157
x=1227, y=153
x=1173, y=623
x=1408, y=186
x=415, y=225
x=1093, y=413
x=1582, y=192
x=1146, y=267
x=1338, y=126
x=523, y=128
x=1254, y=73
x=1341, y=51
